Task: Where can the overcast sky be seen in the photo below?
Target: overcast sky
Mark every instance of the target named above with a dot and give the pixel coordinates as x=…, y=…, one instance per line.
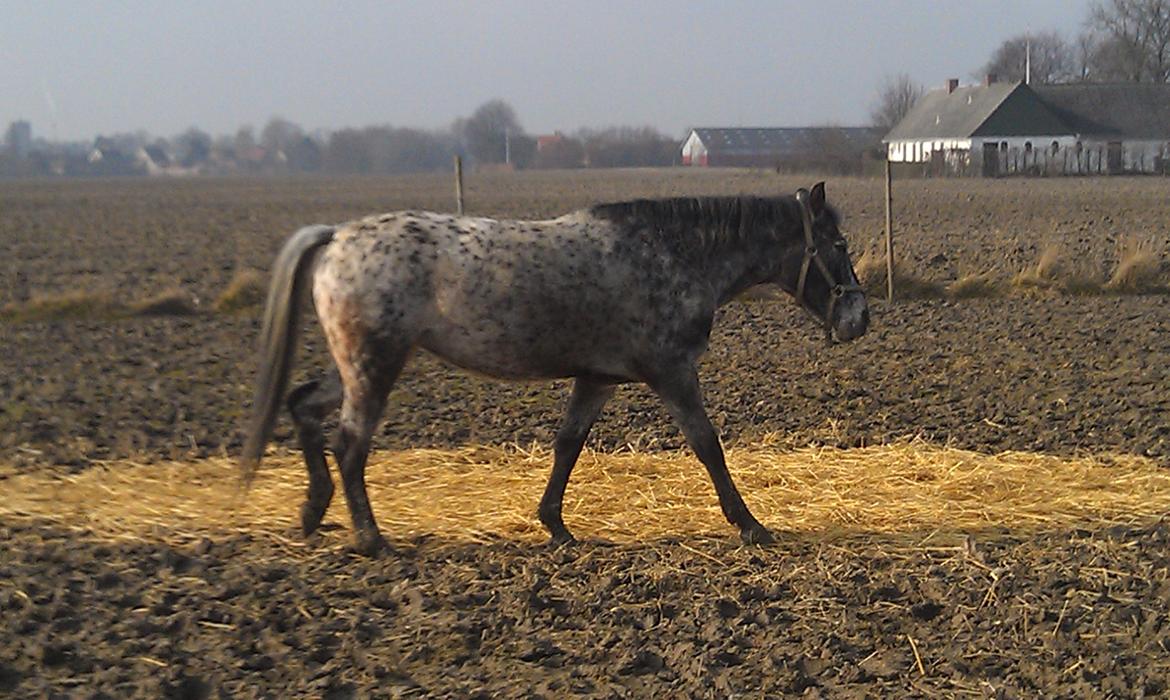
x=83, y=68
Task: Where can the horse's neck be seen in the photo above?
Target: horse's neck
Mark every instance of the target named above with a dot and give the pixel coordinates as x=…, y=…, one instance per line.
x=734, y=268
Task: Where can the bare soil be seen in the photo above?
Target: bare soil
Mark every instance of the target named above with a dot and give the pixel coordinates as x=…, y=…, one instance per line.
x=1071, y=614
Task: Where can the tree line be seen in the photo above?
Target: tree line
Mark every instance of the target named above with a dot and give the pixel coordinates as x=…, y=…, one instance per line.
x=1121, y=41
x=492, y=136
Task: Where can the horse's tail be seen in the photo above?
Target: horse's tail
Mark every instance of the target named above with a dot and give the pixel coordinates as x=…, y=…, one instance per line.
x=277, y=340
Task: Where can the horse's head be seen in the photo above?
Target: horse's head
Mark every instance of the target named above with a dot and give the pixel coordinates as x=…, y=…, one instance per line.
x=817, y=272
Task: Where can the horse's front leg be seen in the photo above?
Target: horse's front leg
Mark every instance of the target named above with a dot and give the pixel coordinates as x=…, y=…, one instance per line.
x=585, y=405
x=679, y=390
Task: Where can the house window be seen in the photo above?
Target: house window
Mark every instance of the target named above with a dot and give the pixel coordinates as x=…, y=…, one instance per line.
x=1080, y=147
x=1027, y=147
x=1003, y=145
x=1055, y=147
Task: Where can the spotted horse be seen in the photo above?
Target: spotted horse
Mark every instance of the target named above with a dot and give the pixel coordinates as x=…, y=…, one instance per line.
x=616, y=293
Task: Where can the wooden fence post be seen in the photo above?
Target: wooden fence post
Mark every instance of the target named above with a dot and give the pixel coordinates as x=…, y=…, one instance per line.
x=889, y=232
x=459, y=185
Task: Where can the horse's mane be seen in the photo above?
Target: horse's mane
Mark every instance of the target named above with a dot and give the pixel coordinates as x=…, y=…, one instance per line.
x=703, y=224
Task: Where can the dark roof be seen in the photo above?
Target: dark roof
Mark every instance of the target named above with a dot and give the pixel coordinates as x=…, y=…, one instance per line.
x=1002, y=109
x=1134, y=110
x=787, y=140
x=1130, y=110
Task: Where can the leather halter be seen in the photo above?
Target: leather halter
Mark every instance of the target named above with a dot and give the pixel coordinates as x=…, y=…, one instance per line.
x=812, y=255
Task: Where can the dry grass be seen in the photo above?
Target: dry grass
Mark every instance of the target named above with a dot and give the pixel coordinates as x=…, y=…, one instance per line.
x=246, y=290
x=1053, y=274
x=478, y=493
x=871, y=271
x=975, y=286
x=1139, y=269
x=98, y=305
x=171, y=302
x=79, y=304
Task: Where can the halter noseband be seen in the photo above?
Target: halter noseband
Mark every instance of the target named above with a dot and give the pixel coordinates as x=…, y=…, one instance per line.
x=811, y=255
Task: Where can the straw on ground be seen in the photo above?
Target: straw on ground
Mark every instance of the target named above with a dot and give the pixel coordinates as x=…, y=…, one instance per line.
x=477, y=493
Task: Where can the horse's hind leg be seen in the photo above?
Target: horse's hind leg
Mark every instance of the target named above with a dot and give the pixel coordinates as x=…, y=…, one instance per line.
x=364, y=391
x=309, y=404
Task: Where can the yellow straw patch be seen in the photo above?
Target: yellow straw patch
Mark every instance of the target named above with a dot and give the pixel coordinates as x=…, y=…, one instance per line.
x=476, y=493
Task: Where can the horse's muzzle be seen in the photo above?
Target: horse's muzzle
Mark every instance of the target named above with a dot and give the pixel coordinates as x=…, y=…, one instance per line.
x=852, y=318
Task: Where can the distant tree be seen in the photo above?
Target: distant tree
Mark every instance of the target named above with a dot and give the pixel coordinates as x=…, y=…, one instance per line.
x=1083, y=50
x=1052, y=59
x=487, y=131
x=627, y=147
x=193, y=147
x=277, y=136
x=244, y=142
x=895, y=97
x=303, y=154
x=347, y=152
x=384, y=149
x=1133, y=40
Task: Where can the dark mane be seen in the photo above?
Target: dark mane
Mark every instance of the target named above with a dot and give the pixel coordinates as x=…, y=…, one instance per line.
x=702, y=224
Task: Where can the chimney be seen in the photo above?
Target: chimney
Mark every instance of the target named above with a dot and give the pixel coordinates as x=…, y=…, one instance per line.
x=992, y=79
x=952, y=85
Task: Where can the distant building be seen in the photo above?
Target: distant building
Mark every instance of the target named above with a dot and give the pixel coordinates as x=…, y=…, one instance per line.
x=18, y=140
x=547, y=141
x=1003, y=128
x=784, y=148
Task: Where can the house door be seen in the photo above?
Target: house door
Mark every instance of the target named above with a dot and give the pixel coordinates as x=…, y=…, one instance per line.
x=990, y=160
x=1113, y=156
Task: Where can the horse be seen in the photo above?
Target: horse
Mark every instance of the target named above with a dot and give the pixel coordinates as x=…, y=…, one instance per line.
x=612, y=294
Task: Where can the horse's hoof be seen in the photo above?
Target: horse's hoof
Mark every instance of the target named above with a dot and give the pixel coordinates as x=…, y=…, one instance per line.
x=311, y=517
x=370, y=545
x=757, y=534
x=561, y=539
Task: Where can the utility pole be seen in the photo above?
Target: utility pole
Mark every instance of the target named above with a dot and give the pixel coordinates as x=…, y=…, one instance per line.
x=508, y=145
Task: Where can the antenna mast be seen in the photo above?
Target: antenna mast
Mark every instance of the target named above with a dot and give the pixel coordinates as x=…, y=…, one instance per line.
x=1028, y=61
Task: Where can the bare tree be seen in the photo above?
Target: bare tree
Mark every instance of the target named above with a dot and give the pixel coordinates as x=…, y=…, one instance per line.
x=1134, y=40
x=279, y=134
x=1051, y=58
x=487, y=131
x=1082, y=53
x=894, y=100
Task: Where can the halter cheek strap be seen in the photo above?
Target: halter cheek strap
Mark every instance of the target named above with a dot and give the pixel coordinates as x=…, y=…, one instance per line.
x=811, y=255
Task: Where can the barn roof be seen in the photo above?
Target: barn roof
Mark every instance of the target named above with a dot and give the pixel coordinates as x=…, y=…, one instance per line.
x=784, y=140
x=1134, y=110
x=1001, y=109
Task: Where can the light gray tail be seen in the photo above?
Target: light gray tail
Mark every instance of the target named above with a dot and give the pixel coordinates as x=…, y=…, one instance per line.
x=277, y=340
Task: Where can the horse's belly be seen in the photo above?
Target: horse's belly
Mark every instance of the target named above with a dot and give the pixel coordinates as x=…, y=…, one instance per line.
x=517, y=353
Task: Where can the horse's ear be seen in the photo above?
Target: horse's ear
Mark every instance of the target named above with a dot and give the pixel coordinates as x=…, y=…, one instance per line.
x=816, y=199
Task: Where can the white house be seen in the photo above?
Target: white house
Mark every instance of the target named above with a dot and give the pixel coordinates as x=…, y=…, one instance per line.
x=1000, y=128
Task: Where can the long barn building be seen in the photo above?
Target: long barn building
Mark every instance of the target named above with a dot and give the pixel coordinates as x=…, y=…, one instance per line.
x=784, y=148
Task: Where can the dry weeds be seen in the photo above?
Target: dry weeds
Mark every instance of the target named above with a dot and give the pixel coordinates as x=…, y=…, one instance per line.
x=77, y=304
x=871, y=272
x=975, y=286
x=478, y=493
x=246, y=290
x=171, y=302
x=1139, y=269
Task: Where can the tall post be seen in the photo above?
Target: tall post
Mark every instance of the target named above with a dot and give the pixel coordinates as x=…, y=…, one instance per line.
x=459, y=185
x=889, y=232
